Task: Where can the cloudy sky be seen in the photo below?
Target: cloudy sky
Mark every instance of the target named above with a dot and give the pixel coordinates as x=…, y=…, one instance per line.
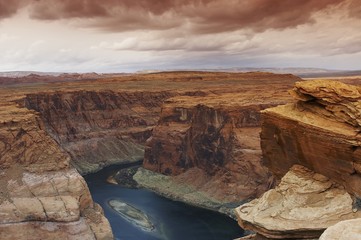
x=131, y=35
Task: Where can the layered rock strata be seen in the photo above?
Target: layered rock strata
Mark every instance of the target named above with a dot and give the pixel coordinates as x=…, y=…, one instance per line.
x=91, y=124
x=99, y=128
x=220, y=140
x=209, y=146
x=319, y=131
x=107, y=121
x=41, y=196
x=302, y=206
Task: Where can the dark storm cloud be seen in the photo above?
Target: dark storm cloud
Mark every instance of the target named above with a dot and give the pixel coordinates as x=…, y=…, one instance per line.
x=259, y=15
x=199, y=16
x=54, y=9
x=8, y=8
x=202, y=16
x=355, y=8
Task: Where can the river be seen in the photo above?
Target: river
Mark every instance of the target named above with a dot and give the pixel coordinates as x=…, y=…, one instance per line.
x=172, y=220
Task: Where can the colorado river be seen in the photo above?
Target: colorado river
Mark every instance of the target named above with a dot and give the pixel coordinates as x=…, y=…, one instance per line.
x=171, y=220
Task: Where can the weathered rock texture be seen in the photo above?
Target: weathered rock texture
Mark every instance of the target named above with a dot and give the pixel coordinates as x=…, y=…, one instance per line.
x=99, y=128
x=106, y=121
x=320, y=131
x=344, y=230
x=41, y=197
x=303, y=205
x=217, y=137
x=221, y=141
x=91, y=124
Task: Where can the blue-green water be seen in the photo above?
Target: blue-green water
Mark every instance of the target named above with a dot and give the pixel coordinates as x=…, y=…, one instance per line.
x=172, y=220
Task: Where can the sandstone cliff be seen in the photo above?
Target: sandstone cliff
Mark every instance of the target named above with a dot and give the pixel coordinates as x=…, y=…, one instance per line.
x=319, y=131
x=220, y=140
x=41, y=196
x=209, y=145
x=107, y=121
x=99, y=128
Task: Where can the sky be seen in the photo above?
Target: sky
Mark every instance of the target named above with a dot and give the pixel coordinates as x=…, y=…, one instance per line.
x=133, y=35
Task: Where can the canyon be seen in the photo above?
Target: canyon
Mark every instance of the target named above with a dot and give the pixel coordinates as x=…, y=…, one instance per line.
x=54, y=131
x=213, y=140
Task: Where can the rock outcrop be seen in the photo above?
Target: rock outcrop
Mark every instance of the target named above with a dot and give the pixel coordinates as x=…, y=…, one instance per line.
x=41, y=196
x=320, y=131
x=303, y=205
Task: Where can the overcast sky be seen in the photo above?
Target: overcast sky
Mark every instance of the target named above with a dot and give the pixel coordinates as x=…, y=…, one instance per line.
x=131, y=35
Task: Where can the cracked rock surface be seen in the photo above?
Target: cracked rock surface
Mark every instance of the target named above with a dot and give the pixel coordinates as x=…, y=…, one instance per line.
x=41, y=196
x=319, y=131
x=303, y=205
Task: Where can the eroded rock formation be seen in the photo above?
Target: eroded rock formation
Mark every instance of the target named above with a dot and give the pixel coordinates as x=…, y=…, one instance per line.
x=41, y=196
x=319, y=131
x=209, y=145
x=99, y=128
x=220, y=140
x=303, y=205
x=47, y=129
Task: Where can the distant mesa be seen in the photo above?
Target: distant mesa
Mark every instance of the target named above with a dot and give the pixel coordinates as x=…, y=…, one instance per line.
x=30, y=77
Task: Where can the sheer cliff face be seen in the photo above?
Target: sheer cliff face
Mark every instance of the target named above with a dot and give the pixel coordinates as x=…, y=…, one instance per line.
x=98, y=128
x=204, y=137
x=320, y=131
x=41, y=197
x=218, y=134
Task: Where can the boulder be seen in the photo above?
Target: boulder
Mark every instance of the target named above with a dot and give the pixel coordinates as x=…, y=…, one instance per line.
x=302, y=206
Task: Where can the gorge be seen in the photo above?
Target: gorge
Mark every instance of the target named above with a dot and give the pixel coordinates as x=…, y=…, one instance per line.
x=198, y=133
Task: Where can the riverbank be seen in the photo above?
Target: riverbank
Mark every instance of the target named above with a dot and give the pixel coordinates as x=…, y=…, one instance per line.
x=175, y=190
x=173, y=220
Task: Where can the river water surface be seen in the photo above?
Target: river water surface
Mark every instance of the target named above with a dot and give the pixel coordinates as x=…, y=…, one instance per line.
x=172, y=220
